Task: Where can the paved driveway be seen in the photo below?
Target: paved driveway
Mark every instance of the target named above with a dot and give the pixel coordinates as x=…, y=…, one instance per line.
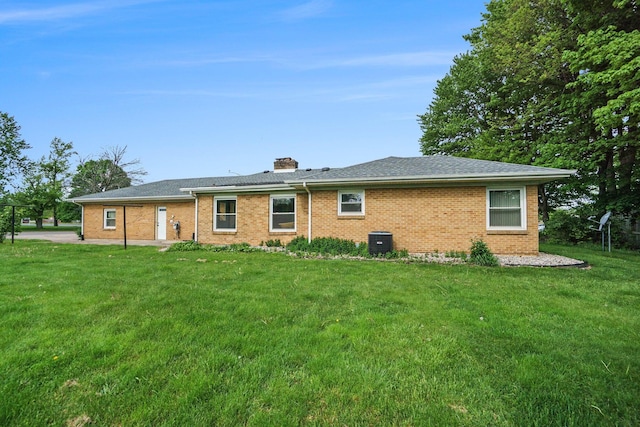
x=72, y=237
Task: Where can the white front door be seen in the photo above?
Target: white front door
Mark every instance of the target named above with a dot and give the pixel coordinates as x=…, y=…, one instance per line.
x=161, y=233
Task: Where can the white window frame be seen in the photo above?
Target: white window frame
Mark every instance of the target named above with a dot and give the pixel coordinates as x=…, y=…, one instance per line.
x=215, y=213
x=106, y=217
x=271, y=213
x=347, y=213
x=523, y=208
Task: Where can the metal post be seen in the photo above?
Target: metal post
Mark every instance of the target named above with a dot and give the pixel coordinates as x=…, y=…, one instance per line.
x=13, y=223
x=609, y=231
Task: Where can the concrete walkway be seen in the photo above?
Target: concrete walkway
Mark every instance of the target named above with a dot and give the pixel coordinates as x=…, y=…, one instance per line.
x=72, y=237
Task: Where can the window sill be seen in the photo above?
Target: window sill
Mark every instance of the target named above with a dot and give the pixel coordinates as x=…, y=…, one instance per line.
x=351, y=217
x=225, y=232
x=508, y=232
x=283, y=232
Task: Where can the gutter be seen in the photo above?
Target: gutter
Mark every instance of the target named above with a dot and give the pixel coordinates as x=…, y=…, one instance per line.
x=80, y=201
x=445, y=179
x=239, y=189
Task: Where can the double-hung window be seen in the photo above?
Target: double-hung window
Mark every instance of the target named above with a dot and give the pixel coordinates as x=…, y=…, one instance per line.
x=506, y=209
x=225, y=213
x=109, y=218
x=351, y=202
x=283, y=213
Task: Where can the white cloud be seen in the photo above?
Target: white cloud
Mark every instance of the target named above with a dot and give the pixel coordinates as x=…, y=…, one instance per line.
x=306, y=10
x=319, y=91
x=62, y=12
x=304, y=62
x=410, y=59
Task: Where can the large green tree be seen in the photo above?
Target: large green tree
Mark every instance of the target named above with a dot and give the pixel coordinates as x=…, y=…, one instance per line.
x=111, y=171
x=12, y=163
x=12, y=147
x=553, y=83
x=56, y=168
x=500, y=100
x=43, y=182
x=97, y=176
x=607, y=64
x=36, y=193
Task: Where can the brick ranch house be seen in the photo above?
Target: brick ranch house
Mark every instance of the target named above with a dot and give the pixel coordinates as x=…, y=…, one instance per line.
x=428, y=204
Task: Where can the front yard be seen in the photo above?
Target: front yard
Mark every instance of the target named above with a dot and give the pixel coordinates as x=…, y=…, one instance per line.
x=98, y=335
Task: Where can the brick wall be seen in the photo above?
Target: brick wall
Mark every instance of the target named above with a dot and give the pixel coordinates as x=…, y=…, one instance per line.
x=425, y=219
x=141, y=221
x=420, y=219
x=252, y=221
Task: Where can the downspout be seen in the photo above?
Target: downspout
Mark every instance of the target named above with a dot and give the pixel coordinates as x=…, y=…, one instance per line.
x=195, y=234
x=304, y=184
x=81, y=219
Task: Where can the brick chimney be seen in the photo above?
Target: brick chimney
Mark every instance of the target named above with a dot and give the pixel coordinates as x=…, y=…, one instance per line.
x=285, y=164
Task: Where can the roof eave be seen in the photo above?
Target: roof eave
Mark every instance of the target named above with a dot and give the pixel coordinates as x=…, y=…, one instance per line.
x=238, y=189
x=442, y=179
x=80, y=200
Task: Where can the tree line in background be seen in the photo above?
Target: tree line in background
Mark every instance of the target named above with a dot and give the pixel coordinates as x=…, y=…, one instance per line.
x=546, y=82
x=551, y=83
x=39, y=187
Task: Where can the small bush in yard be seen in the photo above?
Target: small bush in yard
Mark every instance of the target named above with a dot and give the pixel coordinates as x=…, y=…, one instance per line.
x=189, y=246
x=195, y=246
x=273, y=243
x=298, y=244
x=328, y=246
x=482, y=255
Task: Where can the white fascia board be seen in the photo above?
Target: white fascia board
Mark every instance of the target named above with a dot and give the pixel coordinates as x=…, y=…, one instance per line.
x=80, y=201
x=239, y=189
x=440, y=179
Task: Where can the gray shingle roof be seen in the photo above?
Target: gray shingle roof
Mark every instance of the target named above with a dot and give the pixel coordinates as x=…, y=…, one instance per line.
x=388, y=169
x=432, y=167
x=173, y=188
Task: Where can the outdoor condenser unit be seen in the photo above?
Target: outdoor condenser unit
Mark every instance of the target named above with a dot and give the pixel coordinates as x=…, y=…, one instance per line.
x=380, y=242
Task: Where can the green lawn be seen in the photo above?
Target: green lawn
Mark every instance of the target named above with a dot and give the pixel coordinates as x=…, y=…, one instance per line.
x=97, y=334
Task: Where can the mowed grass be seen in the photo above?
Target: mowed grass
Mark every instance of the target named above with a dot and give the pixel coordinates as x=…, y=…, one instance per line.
x=100, y=335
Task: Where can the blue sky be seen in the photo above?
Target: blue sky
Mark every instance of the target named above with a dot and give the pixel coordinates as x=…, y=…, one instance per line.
x=199, y=88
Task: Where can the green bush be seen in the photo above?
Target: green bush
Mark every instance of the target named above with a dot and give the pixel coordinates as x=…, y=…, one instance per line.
x=328, y=246
x=185, y=246
x=334, y=246
x=238, y=247
x=456, y=254
x=481, y=254
x=568, y=226
x=298, y=244
x=273, y=243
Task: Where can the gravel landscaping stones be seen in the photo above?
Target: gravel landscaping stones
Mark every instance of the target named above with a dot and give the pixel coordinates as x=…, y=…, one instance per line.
x=540, y=260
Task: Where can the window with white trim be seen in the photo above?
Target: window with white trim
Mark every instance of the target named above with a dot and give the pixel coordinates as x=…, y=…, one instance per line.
x=110, y=218
x=225, y=213
x=351, y=202
x=506, y=209
x=283, y=213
